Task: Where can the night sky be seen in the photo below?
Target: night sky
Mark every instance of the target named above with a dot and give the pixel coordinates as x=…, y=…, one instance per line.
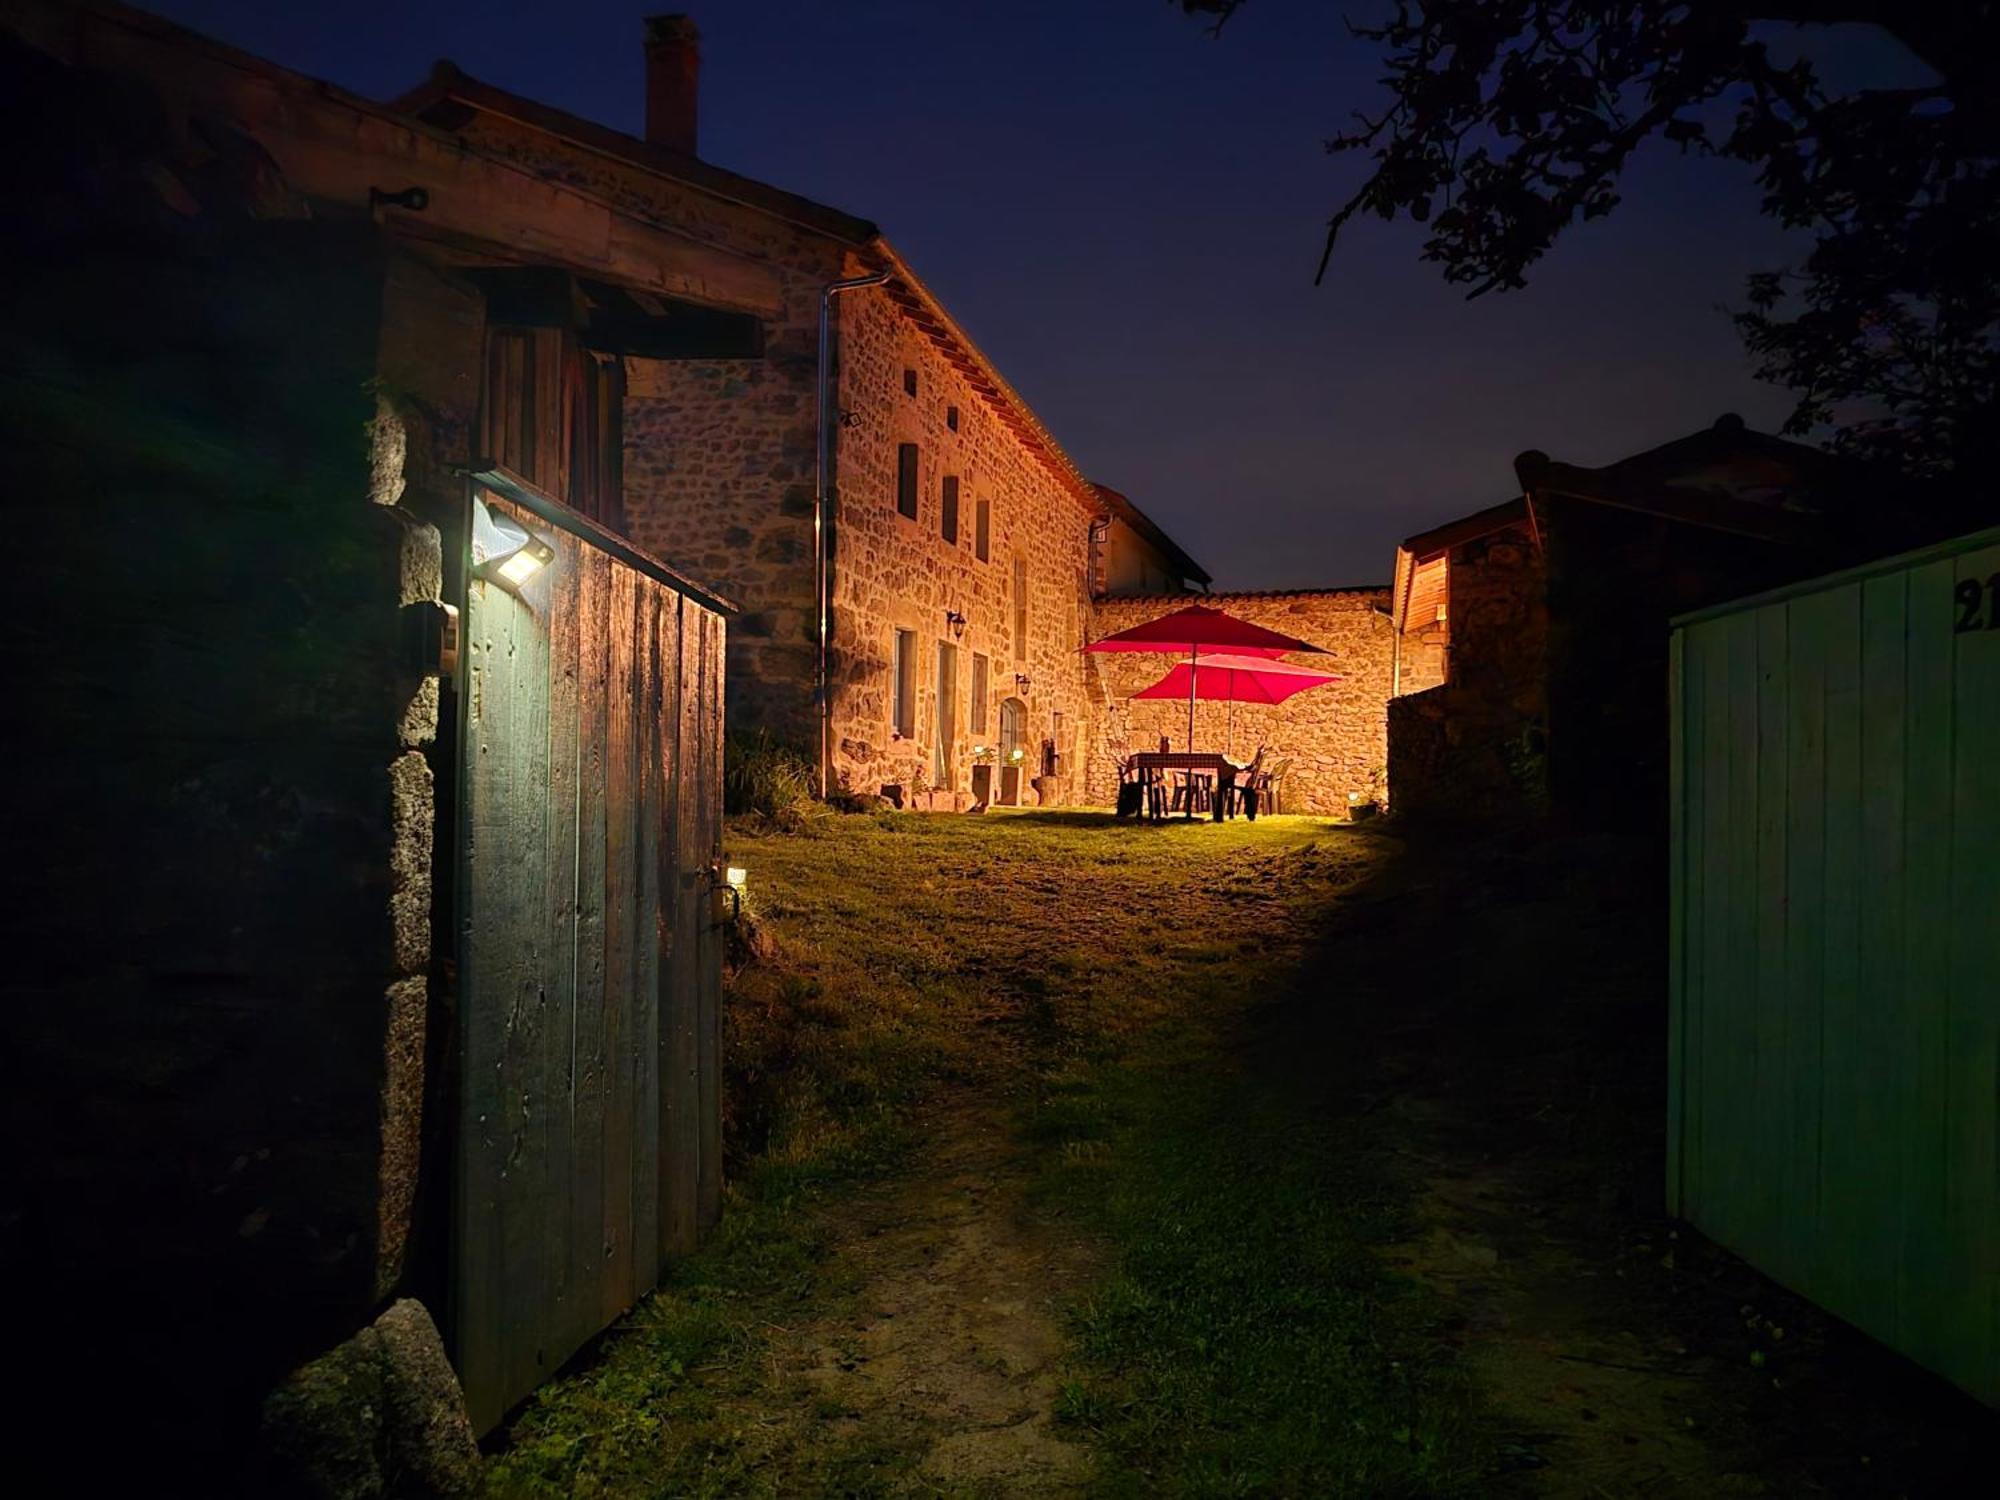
x=1126, y=215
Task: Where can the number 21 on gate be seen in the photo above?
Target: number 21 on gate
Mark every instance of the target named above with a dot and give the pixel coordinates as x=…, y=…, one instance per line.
x=1971, y=595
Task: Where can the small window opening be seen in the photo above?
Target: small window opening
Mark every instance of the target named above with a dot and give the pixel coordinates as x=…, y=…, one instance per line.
x=906, y=479
x=909, y=382
x=948, y=524
x=903, y=712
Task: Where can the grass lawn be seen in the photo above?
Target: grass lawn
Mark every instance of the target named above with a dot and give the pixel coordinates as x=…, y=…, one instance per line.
x=1082, y=996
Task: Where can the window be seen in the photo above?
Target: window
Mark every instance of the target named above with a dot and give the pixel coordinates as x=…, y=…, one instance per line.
x=903, y=713
x=981, y=671
x=553, y=413
x=906, y=479
x=944, y=750
x=951, y=418
x=982, y=530
x=948, y=525
x=1020, y=609
x=909, y=382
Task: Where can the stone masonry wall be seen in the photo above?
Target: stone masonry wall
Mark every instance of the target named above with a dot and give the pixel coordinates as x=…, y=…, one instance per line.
x=1334, y=737
x=891, y=572
x=719, y=480
x=1475, y=747
x=720, y=453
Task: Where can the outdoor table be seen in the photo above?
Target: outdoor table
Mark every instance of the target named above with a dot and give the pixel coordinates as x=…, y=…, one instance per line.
x=1153, y=764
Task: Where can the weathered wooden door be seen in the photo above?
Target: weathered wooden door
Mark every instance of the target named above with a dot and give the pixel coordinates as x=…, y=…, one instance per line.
x=589, y=1128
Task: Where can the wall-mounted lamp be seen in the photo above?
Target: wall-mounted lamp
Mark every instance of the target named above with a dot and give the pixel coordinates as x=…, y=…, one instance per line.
x=1022, y=682
x=735, y=880
x=505, y=549
x=957, y=623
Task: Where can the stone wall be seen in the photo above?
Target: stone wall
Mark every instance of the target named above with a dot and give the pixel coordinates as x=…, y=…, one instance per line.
x=221, y=912
x=893, y=573
x=720, y=453
x=1475, y=747
x=1334, y=738
x=719, y=460
x=1421, y=655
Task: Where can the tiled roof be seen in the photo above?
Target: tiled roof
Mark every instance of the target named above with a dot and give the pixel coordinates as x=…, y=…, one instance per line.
x=1219, y=595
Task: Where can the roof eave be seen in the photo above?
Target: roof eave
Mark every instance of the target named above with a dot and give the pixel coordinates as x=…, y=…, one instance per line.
x=448, y=81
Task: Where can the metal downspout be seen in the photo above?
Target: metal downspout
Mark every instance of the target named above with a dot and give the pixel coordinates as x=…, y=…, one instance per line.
x=822, y=485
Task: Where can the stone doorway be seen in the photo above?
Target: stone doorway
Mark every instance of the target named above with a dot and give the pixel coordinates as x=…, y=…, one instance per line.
x=1013, y=738
x=944, y=752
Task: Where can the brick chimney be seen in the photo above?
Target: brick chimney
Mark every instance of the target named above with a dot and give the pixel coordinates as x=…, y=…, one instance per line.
x=673, y=81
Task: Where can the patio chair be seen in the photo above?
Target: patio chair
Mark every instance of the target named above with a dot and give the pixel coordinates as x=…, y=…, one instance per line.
x=1194, y=792
x=1244, y=792
x=1270, y=784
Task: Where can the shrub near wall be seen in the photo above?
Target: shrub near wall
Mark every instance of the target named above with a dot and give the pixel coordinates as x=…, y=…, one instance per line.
x=1334, y=738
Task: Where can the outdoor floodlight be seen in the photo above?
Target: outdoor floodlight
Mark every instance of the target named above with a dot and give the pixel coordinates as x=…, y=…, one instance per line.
x=739, y=878
x=505, y=549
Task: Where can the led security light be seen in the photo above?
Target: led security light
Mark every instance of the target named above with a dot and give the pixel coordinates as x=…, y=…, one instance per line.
x=505, y=549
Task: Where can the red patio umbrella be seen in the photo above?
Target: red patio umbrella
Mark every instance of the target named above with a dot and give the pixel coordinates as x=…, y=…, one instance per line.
x=1198, y=628
x=1236, y=679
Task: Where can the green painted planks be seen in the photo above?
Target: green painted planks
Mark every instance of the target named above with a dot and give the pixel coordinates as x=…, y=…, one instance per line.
x=589, y=965
x=1971, y=1229
x=476, y=1286
x=1765, y=910
x=564, y=1273
x=1836, y=1040
x=1711, y=1052
x=1882, y=1104
x=1844, y=1204
x=1805, y=952
x=1927, y=1313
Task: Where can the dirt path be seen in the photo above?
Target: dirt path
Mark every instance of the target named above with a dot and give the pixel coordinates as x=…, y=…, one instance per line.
x=1500, y=1038
x=950, y=1350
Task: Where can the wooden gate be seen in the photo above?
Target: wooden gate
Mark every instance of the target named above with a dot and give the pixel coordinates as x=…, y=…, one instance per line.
x=590, y=831
x=1834, y=1043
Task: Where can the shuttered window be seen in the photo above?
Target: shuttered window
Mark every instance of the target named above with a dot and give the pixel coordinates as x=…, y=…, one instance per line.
x=906, y=479
x=948, y=525
x=553, y=412
x=1020, y=609
x=982, y=530
x=981, y=672
x=904, y=710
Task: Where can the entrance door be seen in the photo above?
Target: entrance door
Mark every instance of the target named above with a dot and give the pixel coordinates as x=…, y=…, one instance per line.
x=944, y=754
x=589, y=1131
x=1013, y=737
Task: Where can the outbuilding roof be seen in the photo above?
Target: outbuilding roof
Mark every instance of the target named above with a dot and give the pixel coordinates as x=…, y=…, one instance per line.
x=1122, y=507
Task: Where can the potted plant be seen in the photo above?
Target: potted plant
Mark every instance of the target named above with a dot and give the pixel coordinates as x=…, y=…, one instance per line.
x=983, y=759
x=1362, y=806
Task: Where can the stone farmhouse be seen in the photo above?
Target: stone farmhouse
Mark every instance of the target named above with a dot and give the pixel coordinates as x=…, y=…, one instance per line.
x=915, y=555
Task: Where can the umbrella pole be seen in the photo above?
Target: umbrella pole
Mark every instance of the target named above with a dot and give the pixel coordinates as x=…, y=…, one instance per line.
x=1192, y=669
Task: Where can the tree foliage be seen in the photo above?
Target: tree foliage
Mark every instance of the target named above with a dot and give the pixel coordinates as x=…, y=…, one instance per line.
x=1506, y=122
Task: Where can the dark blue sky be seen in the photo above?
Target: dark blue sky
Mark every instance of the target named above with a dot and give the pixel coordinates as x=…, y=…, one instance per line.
x=1126, y=215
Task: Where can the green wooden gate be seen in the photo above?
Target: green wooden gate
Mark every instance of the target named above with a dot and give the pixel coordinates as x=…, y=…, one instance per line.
x=1835, y=997
x=590, y=831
